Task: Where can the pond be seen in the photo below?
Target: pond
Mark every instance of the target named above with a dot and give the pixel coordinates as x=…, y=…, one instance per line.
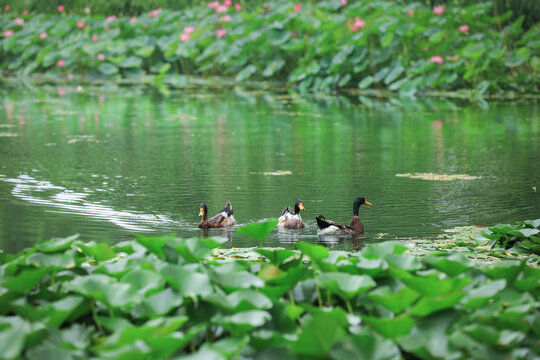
x=110, y=162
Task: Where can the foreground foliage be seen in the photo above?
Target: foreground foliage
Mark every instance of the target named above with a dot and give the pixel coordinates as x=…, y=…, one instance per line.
x=323, y=45
x=163, y=298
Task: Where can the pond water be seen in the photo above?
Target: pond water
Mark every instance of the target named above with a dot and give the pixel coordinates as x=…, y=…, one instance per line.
x=108, y=163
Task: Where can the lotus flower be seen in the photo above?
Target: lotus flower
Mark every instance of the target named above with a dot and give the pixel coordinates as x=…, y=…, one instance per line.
x=100, y=57
x=81, y=25
x=225, y=18
x=8, y=33
x=94, y=38
x=184, y=37
x=25, y=12
x=343, y=2
x=110, y=18
x=155, y=12
x=437, y=59
x=438, y=10
x=6, y=8
x=132, y=20
x=60, y=8
x=60, y=63
x=221, y=32
x=43, y=35
x=237, y=7
x=19, y=21
x=297, y=7
x=213, y=4
x=189, y=30
x=357, y=24
x=221, y=8
x=464, y=28
x=87, y=10
x=228, y=2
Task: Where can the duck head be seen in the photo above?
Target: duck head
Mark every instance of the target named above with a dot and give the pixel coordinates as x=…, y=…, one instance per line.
x=298, y=206
x=357, y=202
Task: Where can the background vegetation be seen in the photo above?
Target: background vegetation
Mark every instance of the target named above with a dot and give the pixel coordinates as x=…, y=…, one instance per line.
x=530, y=9
x=328, y=45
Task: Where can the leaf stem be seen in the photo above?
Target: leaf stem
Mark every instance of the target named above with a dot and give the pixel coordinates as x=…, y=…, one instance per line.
x=319, y=298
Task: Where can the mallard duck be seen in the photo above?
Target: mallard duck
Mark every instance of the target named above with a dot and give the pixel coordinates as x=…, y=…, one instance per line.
x=223, y=219
x=290, y=220
x=331, y=227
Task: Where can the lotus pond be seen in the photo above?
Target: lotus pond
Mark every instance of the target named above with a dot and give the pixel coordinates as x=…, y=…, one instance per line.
x=110, y=162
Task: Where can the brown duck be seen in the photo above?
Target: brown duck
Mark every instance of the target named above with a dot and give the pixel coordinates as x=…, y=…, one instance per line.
x=223, y=219
x=327, y=227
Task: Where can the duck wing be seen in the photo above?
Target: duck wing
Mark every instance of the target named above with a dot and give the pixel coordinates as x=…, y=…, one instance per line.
x=322, y=223
x=224, y=218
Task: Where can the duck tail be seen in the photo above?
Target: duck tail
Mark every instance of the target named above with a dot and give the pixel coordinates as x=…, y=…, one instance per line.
x=228, y=209
x=321, y=222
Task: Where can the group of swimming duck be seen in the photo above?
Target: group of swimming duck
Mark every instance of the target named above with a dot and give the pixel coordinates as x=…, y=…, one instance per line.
x=289, y=219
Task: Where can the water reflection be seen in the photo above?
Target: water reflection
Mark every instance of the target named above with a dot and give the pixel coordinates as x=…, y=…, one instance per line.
x=112, y=162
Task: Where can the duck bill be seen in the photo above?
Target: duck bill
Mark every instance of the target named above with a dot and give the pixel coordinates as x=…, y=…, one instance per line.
x=301, y=206
x=368, y=203
x=201, y=212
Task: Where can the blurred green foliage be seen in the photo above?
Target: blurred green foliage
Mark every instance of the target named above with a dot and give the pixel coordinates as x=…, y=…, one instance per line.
x=530, y=9
x=370, y=45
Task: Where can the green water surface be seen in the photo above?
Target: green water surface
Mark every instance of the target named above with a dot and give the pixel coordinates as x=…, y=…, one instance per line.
x=108, y=163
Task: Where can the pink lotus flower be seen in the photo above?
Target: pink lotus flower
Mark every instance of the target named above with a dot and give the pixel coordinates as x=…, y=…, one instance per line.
x=221, y=8
x=410, y=12
x=436, y=59
x=6, y=8
x=60, y=63
x=25, y=12
x=43, y=35
x=297, y=7
x=110, y=18
x=184, y=37
x=213, y=4
x=132, y=20
x=357, y=24
x=81, y=25
x=94, y=38
x=60, y=8
x=155, y=12
x=225, y=18
x=189, y=30
x=8, y=33
x=87, y=10
x=100, y=57
x=237, y=7
x=343, y=2
x=464, y=28
x=19, y=21
x=228, y=2
x=438, y=10
x=221, y=32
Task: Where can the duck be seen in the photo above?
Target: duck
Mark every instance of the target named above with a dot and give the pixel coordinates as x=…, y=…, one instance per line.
x=326, y=227
x=290, y=220
x=223, y=219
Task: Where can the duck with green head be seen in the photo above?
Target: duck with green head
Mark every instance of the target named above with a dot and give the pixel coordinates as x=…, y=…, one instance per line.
x=223, y=219
x=327, y=227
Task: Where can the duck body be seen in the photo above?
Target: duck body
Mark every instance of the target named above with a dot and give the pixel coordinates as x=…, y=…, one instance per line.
x=290, y=219
x=224, y=218
x=329, y=227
